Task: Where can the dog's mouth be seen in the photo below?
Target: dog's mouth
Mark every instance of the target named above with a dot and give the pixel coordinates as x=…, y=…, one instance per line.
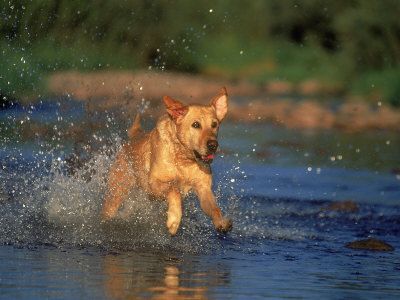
x=204, y=158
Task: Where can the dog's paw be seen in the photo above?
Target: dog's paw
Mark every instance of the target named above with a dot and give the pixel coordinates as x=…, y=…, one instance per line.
x=173, y=225
x=224, y=225
x=108, y=213
x=173, y=228
x=105, y=218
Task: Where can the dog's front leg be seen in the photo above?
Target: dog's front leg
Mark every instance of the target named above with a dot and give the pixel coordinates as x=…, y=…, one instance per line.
x=174, y=215
x=210, y=207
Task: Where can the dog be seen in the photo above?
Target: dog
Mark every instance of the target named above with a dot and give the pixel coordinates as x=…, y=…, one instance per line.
x=171, y=160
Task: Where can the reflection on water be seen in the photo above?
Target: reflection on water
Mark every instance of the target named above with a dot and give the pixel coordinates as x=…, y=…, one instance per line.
x=48, y=273
x=143, y=276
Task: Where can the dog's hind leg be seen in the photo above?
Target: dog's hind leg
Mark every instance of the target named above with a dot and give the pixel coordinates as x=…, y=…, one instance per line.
x=136, y=128
x=174, y=211
x=120, y=182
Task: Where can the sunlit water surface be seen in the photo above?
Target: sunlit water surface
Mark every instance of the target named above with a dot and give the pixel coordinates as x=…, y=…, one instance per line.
x=274, y=183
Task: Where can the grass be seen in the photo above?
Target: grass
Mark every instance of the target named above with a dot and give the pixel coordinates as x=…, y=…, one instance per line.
x=380, y=85
x=261, y=62
x=51, y=57
x=19, y=73
x=24, y=69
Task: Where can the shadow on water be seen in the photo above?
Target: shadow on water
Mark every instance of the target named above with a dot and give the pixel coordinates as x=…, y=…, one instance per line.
x=276, y=185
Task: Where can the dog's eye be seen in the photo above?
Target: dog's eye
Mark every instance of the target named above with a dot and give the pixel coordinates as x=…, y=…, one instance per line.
x=196, y=125
x=214, y=124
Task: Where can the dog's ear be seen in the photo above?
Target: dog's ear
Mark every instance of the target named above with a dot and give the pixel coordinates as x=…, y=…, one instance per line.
x=220, y=104
x=175, y=108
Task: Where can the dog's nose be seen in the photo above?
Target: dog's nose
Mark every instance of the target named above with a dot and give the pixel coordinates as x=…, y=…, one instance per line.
x=212, y=145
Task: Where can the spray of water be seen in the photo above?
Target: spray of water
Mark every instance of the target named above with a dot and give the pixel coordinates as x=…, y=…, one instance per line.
x=62, y=209
x=43, y=200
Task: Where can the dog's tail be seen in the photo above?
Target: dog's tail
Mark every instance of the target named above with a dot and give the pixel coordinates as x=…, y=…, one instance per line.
x=135, y=128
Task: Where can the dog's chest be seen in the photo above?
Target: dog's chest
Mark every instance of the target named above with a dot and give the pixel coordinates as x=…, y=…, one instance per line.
x=162, y=178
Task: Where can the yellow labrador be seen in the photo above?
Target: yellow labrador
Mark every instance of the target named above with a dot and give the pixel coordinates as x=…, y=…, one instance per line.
x=171, y=160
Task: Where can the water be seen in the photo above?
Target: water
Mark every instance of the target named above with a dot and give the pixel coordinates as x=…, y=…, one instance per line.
x=274, y=183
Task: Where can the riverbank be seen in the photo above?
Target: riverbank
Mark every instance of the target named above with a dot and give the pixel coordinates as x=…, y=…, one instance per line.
x=278, y=102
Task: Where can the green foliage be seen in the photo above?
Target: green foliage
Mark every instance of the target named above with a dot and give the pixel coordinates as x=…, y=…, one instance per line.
x=260, y=61
x=385, y=85
x=50, y=56
x=19, y=74
x=369, y=34
x=22, y=70
x=335, y=41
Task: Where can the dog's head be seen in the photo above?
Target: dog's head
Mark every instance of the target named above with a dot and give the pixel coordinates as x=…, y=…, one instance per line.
x=197, y=125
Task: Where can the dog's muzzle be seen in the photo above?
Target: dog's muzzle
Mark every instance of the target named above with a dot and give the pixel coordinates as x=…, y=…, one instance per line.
x=212, y=146
x=207, y=159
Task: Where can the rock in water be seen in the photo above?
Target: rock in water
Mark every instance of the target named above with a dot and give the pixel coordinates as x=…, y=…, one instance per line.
x=347, y=206
x=370, y=244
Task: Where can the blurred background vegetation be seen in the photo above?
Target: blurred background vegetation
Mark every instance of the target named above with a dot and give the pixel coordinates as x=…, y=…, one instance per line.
x=353, y=45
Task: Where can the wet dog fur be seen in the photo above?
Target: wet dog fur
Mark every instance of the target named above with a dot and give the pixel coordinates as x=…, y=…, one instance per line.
x=171, y=160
